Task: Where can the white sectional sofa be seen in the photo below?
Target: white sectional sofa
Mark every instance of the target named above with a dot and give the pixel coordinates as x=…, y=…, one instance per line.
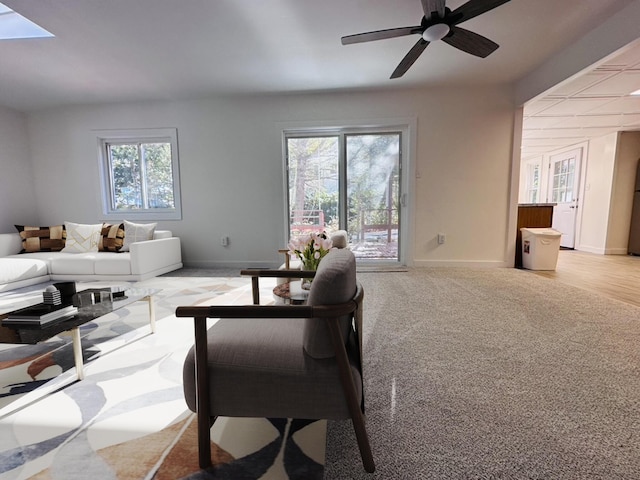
x=145, y=259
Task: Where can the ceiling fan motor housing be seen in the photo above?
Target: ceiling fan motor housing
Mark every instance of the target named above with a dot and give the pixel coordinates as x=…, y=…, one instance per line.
x=436, y=32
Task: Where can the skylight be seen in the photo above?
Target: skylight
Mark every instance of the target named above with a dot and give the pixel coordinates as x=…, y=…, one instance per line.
x=15, y=26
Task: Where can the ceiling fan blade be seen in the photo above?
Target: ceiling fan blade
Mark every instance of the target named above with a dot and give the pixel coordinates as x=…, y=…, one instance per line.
x=430, y=6
x=410, y=58
x=380, y=34
x=473, y=8
x=470, y=42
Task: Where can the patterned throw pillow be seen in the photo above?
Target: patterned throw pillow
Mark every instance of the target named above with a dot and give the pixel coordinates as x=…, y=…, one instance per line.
x=137, y=232
x=111, y=238
x=81, y=237
x=42, y=239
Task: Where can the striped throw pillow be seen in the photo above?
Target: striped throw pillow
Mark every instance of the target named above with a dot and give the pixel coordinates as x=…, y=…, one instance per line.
x=112, y=238
x=42, y=239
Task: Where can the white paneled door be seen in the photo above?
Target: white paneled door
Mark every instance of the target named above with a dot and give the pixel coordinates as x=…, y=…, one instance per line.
x=564, y=172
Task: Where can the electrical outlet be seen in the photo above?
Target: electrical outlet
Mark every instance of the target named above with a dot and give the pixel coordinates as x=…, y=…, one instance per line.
x=224, y=241
x=441, y=238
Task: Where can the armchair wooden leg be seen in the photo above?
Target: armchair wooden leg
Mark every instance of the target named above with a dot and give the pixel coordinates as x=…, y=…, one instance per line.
x=202, y=393
x=352, y=400
x=361, y=435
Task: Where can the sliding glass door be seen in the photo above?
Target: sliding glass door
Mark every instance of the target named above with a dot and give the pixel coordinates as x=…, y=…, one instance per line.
x=373, y=194
x=313, y=166
x=349, y=181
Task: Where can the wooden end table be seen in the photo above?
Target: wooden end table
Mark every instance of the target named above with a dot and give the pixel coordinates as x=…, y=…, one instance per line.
x=291, y=293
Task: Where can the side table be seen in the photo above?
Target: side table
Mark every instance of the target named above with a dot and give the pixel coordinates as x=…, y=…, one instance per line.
x=291, y=293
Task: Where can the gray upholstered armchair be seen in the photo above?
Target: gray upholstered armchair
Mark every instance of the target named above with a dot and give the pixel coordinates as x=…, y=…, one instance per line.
x=290, y=361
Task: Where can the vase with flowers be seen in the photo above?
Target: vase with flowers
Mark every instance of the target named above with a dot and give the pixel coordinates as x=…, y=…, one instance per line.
x=310, y=249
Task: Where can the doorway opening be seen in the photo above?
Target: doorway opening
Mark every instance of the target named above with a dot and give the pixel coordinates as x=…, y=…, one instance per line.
x=564, y=181
x=555, y=179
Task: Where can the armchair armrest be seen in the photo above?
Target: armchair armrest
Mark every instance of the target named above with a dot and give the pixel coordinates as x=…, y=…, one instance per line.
x=268, y=311
x=258, y=272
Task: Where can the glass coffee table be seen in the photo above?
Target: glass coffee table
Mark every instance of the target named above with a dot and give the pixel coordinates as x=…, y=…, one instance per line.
x=20, y=333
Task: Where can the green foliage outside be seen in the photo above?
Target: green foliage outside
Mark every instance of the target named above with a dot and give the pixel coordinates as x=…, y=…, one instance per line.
x=373, y=175
x=372, y=180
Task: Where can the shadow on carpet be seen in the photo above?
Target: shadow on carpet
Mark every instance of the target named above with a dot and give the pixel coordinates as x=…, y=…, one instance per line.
x=286, y=453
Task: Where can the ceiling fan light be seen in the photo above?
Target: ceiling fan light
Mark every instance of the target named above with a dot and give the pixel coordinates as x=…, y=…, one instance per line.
x=435, y=32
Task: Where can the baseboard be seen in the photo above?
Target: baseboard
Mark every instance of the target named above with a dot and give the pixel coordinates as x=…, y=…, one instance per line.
x=238, y=265
x=589, y=249
x=603, y=251
x=463, y=263
x=616, y=251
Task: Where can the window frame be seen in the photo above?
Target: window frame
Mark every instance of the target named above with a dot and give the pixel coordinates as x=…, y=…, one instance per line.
x=530, y=189
x=405, y=128
x=156, y=135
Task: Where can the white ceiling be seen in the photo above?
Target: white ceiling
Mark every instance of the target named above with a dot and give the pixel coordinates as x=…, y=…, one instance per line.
x=131, y=50
x=595, y=103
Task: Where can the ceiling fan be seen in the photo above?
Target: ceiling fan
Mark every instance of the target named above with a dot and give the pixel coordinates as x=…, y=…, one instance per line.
x=438, y=23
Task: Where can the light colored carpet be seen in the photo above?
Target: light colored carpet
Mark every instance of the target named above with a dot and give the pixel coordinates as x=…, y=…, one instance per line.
x=494, y=374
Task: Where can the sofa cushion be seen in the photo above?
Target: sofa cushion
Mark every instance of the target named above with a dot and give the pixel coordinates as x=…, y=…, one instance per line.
x=42, y=239
x=111, y=238
x=82, y=237
x=112, y=263
x=44, y=256
x=137, y=232
x=18, y=268
x=73, y=263
x=270, y=365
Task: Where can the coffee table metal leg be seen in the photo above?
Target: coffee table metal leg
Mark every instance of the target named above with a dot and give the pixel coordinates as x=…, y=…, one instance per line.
x=77, y=352
x=152, y=313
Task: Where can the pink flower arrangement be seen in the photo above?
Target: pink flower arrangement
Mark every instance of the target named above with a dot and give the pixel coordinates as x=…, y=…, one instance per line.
x=310, y=249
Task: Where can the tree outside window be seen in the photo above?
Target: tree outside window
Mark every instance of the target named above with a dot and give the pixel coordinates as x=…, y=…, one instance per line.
x=142, y=175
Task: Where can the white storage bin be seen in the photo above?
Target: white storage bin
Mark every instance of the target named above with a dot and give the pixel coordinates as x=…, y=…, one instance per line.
x=540, y=248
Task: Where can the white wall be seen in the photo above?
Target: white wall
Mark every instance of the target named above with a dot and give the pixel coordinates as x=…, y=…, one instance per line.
x=17, y=192
x=596, y=202
x=231, y=167
x=608, y=197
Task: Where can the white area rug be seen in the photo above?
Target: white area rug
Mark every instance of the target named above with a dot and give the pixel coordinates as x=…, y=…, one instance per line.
x=128, y=419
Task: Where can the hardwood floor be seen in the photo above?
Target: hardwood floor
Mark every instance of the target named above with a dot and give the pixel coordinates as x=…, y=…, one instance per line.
x=614, y=276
